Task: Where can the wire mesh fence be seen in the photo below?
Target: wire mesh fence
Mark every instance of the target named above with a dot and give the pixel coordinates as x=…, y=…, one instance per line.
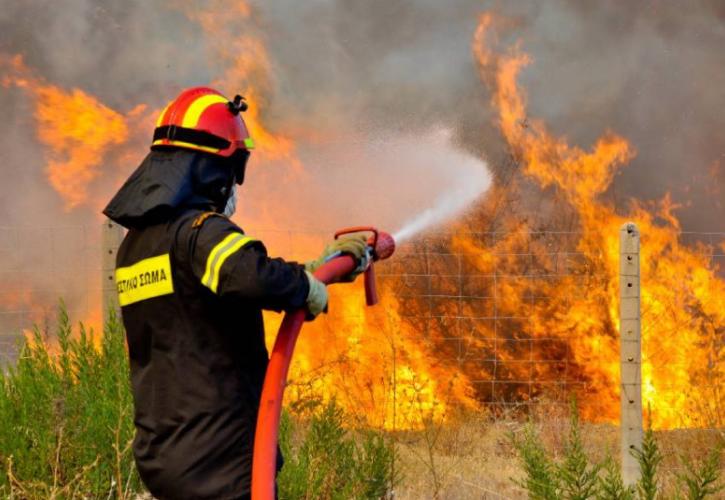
x=450, y=299
x=39, y=267
x=500, y=308
x=531, y=318
x=536, y=320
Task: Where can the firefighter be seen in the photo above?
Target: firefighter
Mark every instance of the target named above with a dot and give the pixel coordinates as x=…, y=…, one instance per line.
x=192, y=286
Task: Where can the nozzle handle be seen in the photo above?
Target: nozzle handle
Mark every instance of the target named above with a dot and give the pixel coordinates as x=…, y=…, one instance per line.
x=372, y=241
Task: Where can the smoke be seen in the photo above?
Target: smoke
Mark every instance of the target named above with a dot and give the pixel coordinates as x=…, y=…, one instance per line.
x=651, y=72
x=359, y=86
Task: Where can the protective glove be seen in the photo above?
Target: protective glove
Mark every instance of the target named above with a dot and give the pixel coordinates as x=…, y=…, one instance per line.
x=316, y=297
x=355, y=245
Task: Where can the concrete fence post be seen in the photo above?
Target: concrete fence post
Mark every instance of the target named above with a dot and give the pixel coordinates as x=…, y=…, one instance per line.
x=111, y=237
x=630, y=350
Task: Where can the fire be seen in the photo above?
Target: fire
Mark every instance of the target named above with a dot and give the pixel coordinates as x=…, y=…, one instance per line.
x=373, y=363
x=682, y=295
x=385, y=365
x=76, y=129
x=247, y=68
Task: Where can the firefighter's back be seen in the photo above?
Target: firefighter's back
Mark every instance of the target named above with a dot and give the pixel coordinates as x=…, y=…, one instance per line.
x=197, y=366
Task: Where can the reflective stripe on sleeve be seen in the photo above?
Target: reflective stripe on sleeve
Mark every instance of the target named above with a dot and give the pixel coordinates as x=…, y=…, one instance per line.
x=218, y=255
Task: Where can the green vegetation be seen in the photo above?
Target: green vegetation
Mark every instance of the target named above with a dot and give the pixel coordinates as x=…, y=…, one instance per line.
x=579, y=479
x=541, y=481
x=66, y=413
x=328, y=461
x=67, y=426
x=650, y=459
x=574, y=477
x=66, y=416
x=700, y=480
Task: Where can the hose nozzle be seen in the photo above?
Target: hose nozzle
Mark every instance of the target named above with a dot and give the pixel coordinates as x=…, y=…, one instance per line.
x=382, y=243
x=383, y=246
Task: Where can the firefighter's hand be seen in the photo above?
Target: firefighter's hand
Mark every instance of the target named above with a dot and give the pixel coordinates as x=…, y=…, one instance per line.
x=316, y=297
x=354, y=245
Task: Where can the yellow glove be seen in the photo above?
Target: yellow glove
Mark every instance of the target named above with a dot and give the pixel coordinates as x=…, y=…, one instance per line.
x=316, y=297
x=355, y=245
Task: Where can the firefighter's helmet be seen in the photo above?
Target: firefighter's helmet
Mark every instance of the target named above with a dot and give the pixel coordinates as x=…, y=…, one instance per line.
x=202, y=119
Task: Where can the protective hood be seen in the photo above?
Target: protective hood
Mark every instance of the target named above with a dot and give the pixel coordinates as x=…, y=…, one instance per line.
x=169, y=182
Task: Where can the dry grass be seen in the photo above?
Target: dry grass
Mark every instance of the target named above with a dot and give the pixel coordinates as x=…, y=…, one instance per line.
x=474, y=459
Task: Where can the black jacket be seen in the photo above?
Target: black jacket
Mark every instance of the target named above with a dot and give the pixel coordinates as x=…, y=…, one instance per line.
x=192, y=289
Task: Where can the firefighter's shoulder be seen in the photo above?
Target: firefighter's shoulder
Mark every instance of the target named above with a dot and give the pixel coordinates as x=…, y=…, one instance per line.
x=200, y=219
x=211, y=222
x=216, y=240
x=212, y=228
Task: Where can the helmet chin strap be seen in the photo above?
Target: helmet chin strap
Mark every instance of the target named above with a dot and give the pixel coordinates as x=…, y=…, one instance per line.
x=231, y=205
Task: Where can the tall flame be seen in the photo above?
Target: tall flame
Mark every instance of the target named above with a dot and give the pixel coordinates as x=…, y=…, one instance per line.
x=682, y=295
x=380, y=363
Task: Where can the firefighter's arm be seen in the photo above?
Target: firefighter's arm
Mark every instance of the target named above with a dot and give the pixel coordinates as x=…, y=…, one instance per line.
x=230, y=263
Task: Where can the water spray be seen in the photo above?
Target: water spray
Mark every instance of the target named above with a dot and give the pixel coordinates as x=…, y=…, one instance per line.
x=469, y=188
x=381, y=246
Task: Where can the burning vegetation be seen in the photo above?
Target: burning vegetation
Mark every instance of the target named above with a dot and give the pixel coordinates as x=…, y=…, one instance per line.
x=532, y=313
x=682, y=293
x=502, y=309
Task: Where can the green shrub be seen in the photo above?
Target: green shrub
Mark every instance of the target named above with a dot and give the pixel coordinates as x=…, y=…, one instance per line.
x=574, y=477
x=579, y=479
x=542, y=481
x=67, y=417
x=611, y=484
x=702, y=481
x=331, y=462
x=649, y=458
x=67, y=428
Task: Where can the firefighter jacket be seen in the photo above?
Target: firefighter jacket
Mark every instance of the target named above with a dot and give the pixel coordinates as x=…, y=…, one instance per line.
x=192, y=289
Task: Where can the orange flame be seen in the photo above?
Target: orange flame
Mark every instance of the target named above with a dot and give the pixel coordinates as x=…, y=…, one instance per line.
x=373, y=363
x=248, y=69
x=377, y=363
x=75, y=127
x=682, y=296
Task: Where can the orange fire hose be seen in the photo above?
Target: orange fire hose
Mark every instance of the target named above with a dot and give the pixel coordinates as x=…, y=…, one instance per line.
x=381, y=246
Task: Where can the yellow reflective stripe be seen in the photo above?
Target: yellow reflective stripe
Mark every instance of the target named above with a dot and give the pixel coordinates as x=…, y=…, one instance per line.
x=144, y=280
x=193, y=113
x=160, y=119
x=218, y=255
x=249, y=143
x=212, y=255
x=166, y=142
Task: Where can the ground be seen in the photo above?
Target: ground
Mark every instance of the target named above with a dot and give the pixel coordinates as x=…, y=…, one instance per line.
x=474, y=459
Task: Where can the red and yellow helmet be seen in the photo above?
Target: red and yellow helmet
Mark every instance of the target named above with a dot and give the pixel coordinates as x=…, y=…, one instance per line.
x=202, y=119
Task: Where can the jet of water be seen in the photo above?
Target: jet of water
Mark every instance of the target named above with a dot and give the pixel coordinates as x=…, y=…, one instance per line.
x=469, y=187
